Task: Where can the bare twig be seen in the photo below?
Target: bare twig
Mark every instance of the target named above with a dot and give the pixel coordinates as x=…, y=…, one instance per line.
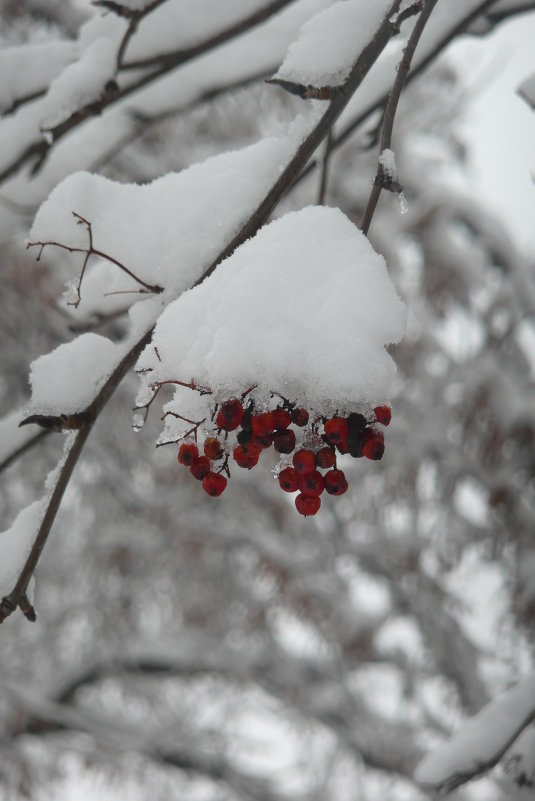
x=391, y=108
x=89, y=251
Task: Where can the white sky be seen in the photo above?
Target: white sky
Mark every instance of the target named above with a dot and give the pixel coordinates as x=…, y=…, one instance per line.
x=499, y=127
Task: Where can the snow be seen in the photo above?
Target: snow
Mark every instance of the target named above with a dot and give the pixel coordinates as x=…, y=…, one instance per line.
x=526, y=90
x=179, y=24
x=31, y=68
x=67, y=379
x=149, y=228
x=305, y=308
x=80, y=83
x=16, y=544
x=481, y=740
x=329, y=44
x=387, y=160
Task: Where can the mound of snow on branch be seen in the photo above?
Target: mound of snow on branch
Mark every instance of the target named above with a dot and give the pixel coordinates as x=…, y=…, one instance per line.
x=329, y=44
x=304, y=309
x=67, y=379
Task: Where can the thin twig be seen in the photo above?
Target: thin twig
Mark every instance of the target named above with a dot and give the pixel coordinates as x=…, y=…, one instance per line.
x=391, y=108
x=92, y=251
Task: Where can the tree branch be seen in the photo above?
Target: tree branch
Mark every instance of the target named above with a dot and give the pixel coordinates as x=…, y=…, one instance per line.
x=391, y=108
x=361, y=67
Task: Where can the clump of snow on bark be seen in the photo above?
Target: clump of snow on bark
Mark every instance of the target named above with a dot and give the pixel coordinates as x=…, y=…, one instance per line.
x=329, y=44
x=169, y=231
x=16, y=543
x=305, y=308
x=67, y=379
x=387, y=160
x=481, y=741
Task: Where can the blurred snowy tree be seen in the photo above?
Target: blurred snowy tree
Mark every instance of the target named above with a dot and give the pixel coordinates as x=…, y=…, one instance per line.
x=226, y=649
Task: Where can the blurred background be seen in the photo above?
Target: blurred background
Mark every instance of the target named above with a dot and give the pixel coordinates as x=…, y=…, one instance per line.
x=213, y=650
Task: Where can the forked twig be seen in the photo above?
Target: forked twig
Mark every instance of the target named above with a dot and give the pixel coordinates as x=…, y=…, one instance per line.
x=91, y=250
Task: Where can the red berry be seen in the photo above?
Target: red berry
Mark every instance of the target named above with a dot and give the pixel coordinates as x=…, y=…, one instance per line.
x=200, y=467
x=343, y=447
x=282, y=418
x=263, y=442
x=289, y=479
x=212, y=448
x=245, y=458
x=304, y=461
x=284, y=440
x=230, y=415
x=335, y=482
x=326, y=458
x=374, y=444
x=187, y=453
x=299, y=416
x=214, y=484
x=383, y=415
x=311, y=484
x=307, y=505
x=336, y=430
x=263, y=423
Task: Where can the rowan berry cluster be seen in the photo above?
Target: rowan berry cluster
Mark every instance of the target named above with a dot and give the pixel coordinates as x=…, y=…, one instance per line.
x=240, y=433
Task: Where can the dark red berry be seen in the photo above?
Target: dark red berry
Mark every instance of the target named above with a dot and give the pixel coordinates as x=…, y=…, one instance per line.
x=187, y=453
x=335, y=482
x=246, y=420
x=336, y=430
x=356, y=422
x=230, y=415
x=325, y=458
x=284, y=440
x=266, y=441
x=383, y=415
x=304, y=461
x=307, y=505
x=214, y=484
x=212, y=448
x=299, y=416
x=289, y=479
x=311, y=484
x=374, y=444
x=244, y=458
x=200, y=467
x=263, y=423
x=282, y=418
x=343, y=447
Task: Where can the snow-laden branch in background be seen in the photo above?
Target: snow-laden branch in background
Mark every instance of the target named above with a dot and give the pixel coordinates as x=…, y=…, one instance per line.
x=481, y=741
x=89, y=85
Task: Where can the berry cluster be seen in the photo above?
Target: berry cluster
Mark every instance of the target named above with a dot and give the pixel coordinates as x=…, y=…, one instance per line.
x=301, y=466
